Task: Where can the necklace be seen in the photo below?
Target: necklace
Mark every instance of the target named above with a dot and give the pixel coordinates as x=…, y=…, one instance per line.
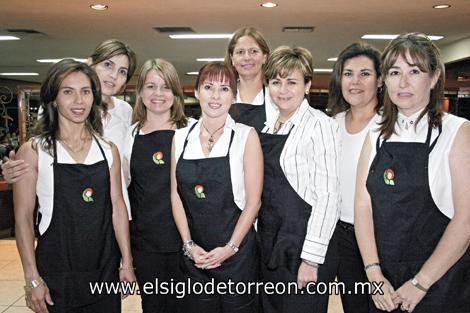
x=211, y=141
x=76, y=150
x=277, y=126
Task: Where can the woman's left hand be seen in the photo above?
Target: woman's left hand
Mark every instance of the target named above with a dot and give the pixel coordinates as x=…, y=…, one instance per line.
x=409, y=295
x=306, y=274
x=126, y=274
x=216, y=257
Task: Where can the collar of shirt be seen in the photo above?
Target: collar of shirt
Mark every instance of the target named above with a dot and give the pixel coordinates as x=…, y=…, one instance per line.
x=294, y=119
x=229, y=123
x=408, y=122
x=258, y=100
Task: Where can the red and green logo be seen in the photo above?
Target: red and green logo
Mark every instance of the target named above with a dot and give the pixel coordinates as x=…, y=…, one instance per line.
x=389, y=175
x=87, y=195
x=199, y=191
x=158, y=158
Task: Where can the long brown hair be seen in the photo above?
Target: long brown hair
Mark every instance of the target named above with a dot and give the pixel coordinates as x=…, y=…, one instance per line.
x=170, y=76
x=426, y=56
x=47, y=127
x=336, y=101
x=239, y=33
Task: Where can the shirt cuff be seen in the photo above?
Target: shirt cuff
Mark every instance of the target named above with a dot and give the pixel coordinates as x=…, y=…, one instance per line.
x=314, y=252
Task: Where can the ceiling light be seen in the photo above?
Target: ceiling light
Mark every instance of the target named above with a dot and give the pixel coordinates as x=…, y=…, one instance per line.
x=269, y=5
x=202, y=36
x=192, y=73
x=19, y=74
x=441, y=6
x=323, y=70
x=332, y=59
x=389, y=37
x=99, y=7
x=9, y=38
x=58, y=60
x=210, y=59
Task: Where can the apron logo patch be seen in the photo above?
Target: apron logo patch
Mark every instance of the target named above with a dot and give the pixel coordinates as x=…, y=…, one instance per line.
x=389, y=175
x=87, y=195
x=158, y=158
x=199, y=191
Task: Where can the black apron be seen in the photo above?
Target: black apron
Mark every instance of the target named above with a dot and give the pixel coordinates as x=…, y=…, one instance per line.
x=153, y=228
x=79, y=245
x=251, y=115
x=205, y=189
x=408, y=225
x=282, y=227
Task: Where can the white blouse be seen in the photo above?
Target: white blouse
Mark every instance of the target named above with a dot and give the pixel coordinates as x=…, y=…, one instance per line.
x=440, y=182
x=237, y=150
x=309, y=161
x=351, y=146
x=45, y=181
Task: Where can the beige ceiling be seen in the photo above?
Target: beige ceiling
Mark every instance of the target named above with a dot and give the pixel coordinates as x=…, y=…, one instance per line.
x=72, y=29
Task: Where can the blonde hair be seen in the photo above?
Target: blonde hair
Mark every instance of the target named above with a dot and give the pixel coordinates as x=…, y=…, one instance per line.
x=170, y=76
x=284, y=60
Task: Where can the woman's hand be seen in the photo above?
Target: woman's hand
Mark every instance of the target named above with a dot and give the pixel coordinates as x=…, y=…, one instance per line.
x=409, y=296
x=13, y=170
x=36, y=299
x=126, y=274
x=386, y=300
x=306, y=274
x=199, y=256
x=217, y=256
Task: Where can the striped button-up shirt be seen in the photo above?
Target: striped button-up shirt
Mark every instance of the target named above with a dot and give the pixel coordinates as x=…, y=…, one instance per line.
x=310, y=162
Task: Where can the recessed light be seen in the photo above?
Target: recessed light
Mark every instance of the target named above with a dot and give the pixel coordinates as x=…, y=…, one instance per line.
x=269, y=5
x=210, y=59
x=332, y=59
x=202, y=36
x=441, y=6
x=9, y=38
x=323, y=70
x=192, y=73
x=58, y=60
x=389, y=37
x=19, y=74
x=99, y=7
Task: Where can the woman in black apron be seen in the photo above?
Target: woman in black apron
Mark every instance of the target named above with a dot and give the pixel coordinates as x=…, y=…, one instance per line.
x=247, y=53
x=299, y=207
x=412, y=205
x=214, y=159
x=89, y=225
x=354, y=102
x=156, y=244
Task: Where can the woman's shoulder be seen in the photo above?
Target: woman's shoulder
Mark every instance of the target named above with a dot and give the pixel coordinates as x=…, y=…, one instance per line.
x=122, y=107
x=451, y=122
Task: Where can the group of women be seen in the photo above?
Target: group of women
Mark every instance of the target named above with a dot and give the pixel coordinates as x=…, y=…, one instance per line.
x=258, y=151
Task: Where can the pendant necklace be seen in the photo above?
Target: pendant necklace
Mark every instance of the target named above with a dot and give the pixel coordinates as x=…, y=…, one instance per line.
x=211, y=141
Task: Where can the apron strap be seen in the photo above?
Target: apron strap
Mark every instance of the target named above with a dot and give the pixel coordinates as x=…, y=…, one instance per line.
x=186, y=139
x=264, y=95
x=101, y=148
x=54, y=146
x=435, y=140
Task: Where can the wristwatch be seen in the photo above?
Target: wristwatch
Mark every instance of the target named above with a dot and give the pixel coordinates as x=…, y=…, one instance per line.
x=233, y=246
x=416, y=283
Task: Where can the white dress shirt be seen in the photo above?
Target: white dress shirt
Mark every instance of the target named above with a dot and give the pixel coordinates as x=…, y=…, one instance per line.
x=409, y=130
x=309, y=161
x=237, y=150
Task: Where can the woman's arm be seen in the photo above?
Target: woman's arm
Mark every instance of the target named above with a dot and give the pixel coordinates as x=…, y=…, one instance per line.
x=253, y=178
x=456, y=238
x=24, y=198
x=121, y=219
x=14, y=168
x=364, y=229
x=198, y=254
x=322, y=166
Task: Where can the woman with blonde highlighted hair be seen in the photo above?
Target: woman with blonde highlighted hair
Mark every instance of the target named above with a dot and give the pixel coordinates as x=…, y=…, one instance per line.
x=156, y=245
